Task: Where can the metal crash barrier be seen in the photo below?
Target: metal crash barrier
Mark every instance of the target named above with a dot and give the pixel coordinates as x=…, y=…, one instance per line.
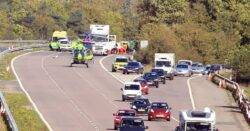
x=5, y=112
x=237, y=93
x=13, y=46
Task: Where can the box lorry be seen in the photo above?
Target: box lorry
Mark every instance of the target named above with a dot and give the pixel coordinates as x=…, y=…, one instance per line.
x=103, y=42
x=165, y=61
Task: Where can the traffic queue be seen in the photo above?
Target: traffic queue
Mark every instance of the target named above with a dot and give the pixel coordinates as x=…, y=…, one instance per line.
x=135, y=92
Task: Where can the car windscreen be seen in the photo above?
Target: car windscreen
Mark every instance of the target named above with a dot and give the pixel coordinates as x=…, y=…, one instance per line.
x=99, y=38
x=133, y=64
x=159, y=105
x=126, y=113
x=133, y=122
x=184, y=62
x=132, y=87
x=182, y=66
x=158, y=71
x=121, y=60
x=163, y=63
x=150, y=76
x=198, y=126
x=64, y=42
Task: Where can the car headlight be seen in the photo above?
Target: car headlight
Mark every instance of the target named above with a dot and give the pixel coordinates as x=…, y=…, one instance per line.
x=133, y=107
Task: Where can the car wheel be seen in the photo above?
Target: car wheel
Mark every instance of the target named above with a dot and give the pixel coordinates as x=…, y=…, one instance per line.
x=123, y=72
x=164, y=81
x=127, y=72
x=149, y=119
x=115, y=127
x=168, y=119
x=157, y=85
x=123, y=99
x=113, y=69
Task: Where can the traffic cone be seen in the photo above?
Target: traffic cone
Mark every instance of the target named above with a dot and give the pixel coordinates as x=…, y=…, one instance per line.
x=220, y=84
x=210, y=76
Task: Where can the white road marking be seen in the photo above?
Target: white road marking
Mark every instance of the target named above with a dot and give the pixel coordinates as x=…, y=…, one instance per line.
x=82, y=113
x=190, y=90
x=26, y=93
x=98, y=90
x=101, y=63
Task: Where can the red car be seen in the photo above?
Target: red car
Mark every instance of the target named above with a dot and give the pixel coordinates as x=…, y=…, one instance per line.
x=122, y=113
x=144, y=85
x=159, y=110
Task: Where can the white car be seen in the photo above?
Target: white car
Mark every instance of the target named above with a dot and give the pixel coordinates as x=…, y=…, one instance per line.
x=65, y=44
x=131, y=90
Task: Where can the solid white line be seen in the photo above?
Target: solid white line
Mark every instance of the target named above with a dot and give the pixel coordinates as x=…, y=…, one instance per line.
x=27, y=94
x=82, y=113
x=190, y=91
x=101, y=63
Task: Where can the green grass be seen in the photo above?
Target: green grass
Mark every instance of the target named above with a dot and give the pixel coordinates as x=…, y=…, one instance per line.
x=3, y=126
x=25, y=116
x=147, y=68
x=5, y=62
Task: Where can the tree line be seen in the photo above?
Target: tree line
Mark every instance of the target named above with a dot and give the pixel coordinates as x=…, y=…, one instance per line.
x=209, y=31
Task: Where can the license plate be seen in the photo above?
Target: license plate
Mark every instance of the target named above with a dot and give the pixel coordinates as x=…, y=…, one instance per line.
x=150, y=83
x=141, y=109
x=159, y=115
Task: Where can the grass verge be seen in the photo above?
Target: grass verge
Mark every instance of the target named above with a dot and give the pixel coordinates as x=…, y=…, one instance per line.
x=25, y=116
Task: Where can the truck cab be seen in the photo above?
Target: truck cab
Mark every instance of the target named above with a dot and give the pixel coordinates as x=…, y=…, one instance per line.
x=165, y=61
x=197, y=120
x=103, y=42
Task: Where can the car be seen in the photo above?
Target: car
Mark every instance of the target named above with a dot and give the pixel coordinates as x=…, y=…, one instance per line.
x=197, y=120
x=161, y=74
x=152, y=79
x=186, y=62
x=131, y=90
x=119, y=63
x=140, y=105
x=159, y=110
x=144, y=85
x=132, y=124
x=183, y=70
x=133, y=67
x=215, y=67
x=198, y=68
x=122, y=113
x=65, y=44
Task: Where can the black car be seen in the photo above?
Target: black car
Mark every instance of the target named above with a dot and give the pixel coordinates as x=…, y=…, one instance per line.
x=152, y=79
x=132, y=124
x=133, y=67
x=161, y=74
x=140, y=105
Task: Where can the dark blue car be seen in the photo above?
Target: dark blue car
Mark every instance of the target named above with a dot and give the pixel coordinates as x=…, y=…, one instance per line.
x=133, y=67
x=161, y=74
x=152, y=79
x=140, y=105
x=132, y=124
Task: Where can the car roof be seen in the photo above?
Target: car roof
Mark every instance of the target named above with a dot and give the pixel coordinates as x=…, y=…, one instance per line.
x=159, y=103
x=131, y=117
x=157, y=69
x=129, y=110
x=132, y=83
x=121, y=57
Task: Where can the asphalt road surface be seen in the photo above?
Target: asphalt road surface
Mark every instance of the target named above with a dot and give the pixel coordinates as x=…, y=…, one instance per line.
x=84, y=99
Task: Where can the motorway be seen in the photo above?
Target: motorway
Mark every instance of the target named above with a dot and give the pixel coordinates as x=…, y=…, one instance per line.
x=84, y=99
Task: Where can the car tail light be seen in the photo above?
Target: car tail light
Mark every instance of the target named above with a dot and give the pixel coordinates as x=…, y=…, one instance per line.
x=117, y=119
x=167, y=111
x=152, y=111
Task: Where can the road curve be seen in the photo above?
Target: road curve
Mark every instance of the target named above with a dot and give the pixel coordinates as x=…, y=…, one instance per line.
x=77, y=98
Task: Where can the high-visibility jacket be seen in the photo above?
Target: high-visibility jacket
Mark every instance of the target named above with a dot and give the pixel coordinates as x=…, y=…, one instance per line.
x=55, y=45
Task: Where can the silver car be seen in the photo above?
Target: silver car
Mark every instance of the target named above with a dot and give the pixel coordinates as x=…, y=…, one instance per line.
x=198, y=68
x=183, y=70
